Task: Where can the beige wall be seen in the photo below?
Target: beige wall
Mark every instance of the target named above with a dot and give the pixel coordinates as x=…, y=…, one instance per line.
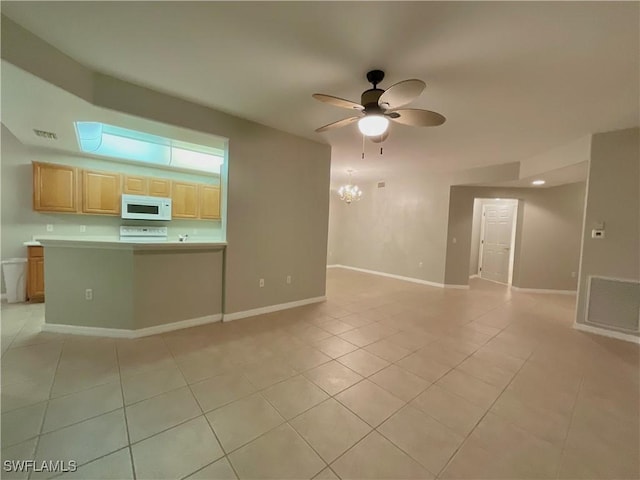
x=131, y=289
x=395, y=228
x=278, y=184
x=547, y=234
x=613, y=197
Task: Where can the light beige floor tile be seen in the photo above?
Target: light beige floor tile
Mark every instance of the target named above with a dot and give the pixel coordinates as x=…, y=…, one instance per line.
x=23, y=394
x=474, y=463
x=279, y=454
x=294, y=396
x=401, y=383
x=161, y=412
x=423, y=438
x=77, y=442
x=22, y=424
x=333, y=377
x=449, y=409
x=330, y=429
x=545, y=424
x=502, y=360
x=18, y=453
x=218, y=470
x=377, y=458
x=363, y=362
x=149, y=384
x=199, y=366
x=533, y=457
x=79, y=406
x=335, y=347
x=388, y=350
x=370, y=402
x=221, y=389
x=72, y=379
x=265, y=374
x=243, y=420
x=306, y=358
x=115, y=466
x=424, y=367
x=485, y=371
x=411, y=341
x=335, y=327
x=177, y=452
x=326, y=474
x=442, y=354
x=469, y=388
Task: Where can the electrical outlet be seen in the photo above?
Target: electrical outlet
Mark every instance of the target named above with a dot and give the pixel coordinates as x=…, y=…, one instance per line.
x=419, y=264
x=195, y=231
x=88, y=294
x=261, y=282
x=83, y=228
x=573, y=274
x=288, y=279
x=455, y=240
x=49, y=227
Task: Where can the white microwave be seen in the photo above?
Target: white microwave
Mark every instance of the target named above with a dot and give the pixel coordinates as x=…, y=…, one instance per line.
x=140, y=207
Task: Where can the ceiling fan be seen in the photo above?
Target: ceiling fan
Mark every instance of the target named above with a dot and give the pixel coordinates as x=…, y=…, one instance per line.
x=378, y=106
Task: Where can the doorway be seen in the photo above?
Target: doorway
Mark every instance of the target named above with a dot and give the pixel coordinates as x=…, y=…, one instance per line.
x=495, y=227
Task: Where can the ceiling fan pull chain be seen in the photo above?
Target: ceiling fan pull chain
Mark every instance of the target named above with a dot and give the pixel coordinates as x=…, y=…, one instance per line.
x=363, y=147
x=380, y=150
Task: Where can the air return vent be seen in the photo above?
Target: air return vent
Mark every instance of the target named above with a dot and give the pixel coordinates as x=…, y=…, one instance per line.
x=614, y=303
x=44, y=134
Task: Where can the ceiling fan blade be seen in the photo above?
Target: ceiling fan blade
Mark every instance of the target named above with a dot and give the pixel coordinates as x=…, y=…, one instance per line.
x=379, y=138
x=338, y=102
x=417, y=118
x=339, y=123
x=401, y=93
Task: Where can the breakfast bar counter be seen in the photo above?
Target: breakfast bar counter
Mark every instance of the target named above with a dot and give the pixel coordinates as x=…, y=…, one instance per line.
x=112, y=287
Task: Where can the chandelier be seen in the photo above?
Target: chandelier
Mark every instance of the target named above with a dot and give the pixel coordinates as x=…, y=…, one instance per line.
x=350, y=192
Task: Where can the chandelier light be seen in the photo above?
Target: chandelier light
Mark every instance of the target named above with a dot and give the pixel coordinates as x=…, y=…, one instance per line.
x=373, y=125
x=350, y=192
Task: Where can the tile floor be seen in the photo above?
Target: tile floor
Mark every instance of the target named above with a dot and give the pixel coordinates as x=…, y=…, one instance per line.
x=387, y=379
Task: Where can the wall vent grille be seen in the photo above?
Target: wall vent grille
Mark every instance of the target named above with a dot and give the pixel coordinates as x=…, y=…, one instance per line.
x=614, y=303
x=45, y=134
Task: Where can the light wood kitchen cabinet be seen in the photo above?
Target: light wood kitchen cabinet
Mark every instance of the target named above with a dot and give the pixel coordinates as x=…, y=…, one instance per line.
x=160, y=187
x=209, y=202
x=184, y=197
x=55, y=188
x=101, y=192
x=135, y=185
x=35, y=274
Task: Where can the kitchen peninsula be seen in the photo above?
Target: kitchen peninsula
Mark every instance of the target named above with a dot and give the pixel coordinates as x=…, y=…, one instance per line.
x=130, y=289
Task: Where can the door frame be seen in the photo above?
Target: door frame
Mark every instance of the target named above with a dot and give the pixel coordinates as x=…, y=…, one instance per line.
x=512, y=246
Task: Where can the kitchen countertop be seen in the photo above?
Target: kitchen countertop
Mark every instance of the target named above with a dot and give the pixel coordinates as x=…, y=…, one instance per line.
x=116, y=243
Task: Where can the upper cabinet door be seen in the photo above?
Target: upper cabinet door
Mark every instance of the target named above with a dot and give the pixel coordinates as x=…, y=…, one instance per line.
x=55, y=188
x=135, y=185
x=209, y=202
x=101, y=192
x=160, y=187
x=184, y=200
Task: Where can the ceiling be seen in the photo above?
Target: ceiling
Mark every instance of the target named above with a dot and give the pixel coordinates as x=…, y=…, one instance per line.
x=514, y=79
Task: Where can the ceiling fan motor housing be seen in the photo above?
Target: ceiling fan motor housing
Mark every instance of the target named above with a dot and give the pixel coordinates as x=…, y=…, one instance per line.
x=369, y=100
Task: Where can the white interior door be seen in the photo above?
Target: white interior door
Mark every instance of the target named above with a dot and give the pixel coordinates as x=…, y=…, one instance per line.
x=497, y=230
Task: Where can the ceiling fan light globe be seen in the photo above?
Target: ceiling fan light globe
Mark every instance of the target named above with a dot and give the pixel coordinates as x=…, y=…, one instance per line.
x=373, y=125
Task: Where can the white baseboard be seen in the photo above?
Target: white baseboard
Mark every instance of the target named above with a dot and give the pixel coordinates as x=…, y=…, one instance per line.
x=123, y=333
x=475, y=275
x=543, y=290
x=391, y=275
x=607, y=333
x=333, y=265
x=459, y=287
x=228, y=317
